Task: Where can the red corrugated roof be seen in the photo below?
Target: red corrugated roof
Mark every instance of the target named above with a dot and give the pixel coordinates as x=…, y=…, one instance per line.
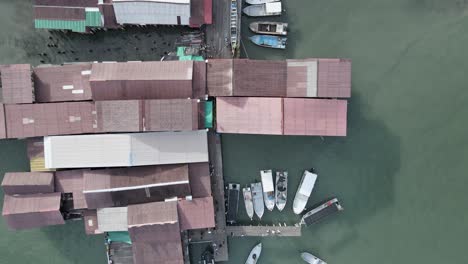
x=200, y=179
x=17, y=86
x=69, y=3
x=196, y=214
x=90, y=221
x=28, y=182
x=249, y=115
x=334, y=78
x=199, y=80
x=315, y=117
x=2, y=122
x=219, y=77
x=201, y=12
x=171, y=115
x=120, y=116
x=59, y=13
x=71, y=181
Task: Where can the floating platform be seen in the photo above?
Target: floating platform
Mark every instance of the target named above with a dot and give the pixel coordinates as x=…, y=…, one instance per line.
x=264, y=231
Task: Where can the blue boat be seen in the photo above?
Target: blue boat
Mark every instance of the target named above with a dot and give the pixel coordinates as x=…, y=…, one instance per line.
x=269, y=41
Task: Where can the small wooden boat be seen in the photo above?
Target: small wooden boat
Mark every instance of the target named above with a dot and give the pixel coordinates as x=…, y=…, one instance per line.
x=267, y=41
x=303, y=192
x=268, y=9
x=268, y=189
x=269, y=28
x=257, y=195
x=259, y=2
x=318, y=213
x=248, y=202
x=254, y=254
x=234, y=26
x=281, y=189
x=311, y=259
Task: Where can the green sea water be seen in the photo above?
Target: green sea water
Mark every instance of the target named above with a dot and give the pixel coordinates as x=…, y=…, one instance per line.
x=400, y=173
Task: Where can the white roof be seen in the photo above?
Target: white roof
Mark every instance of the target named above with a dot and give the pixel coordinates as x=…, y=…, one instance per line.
x=112, y=219
x=124, y=150
x=274, y=7
x=308, y=183
x=157, y=1
x=267, y=180
x=152, y=12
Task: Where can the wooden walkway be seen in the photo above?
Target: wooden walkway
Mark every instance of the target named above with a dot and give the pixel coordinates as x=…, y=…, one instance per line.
x=263, y=231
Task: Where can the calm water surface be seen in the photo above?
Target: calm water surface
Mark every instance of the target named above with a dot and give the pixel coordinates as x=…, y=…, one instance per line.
x=400, y=173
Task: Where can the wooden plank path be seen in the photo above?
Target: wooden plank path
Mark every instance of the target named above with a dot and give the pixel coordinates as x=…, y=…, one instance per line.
x=263, y=231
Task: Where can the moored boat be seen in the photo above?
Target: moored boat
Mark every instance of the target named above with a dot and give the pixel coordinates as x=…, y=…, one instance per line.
x=259, y=2
x=234, y=26
x=233, y=202
x=268, y=189
x=257, y=195
x=303, y=192
x=248, y=202
x=281, y=190
x=318, y=213
x=311, y=259
x=254, y=254
x=267, y=9
x=269, y=28
x=267, y=41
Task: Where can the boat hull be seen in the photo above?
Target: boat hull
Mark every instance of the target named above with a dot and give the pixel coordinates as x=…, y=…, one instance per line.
x=268, y=189
x=269, y=28
x=259, y=11
x=281, y=191
x=311, y=259
x=257, y=197
x=320, y=212
x=303, y=191
x=268, y=41
x=254, y=254
x=249, y=208
x=259, y=2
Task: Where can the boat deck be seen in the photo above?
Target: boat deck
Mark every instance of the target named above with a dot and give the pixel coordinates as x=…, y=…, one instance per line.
x=233, y=205
x=329, y=210
x=264, y=231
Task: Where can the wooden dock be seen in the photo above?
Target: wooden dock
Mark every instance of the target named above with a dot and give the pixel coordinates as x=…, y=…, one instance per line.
x=263, y=231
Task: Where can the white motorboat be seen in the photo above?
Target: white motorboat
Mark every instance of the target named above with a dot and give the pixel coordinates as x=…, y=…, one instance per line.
x=267, y=9
x=268, y=189
x=303, y=192
x=311, y=259
x=259, y=2
x=254, y=254
x=257, y=195
x=248, y=202
x=269, y=28
x=281, y=189
x=318, y=213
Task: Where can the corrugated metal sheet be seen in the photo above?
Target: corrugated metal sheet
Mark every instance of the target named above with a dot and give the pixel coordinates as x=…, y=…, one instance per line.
x=200, y=179
x=72, y=181
x=16, y=83
x=152, y=12
x=59, y=13
x=93, y=18
x=199, y=80
x=196, y=214
x=32, y=210
x=2, y=122
x=122, y=150
x=91, y=223
x=107, y=11
x=28, y=182
x=315, y=117
x=112, y=219
x=220, y=77
x=334, y=78
x=62, y=83
x=249, y=115
x=302, y=78
x=159, y=213
x=73, y=25
x=120, y=116
x=142, y=80
x=171, y=115
x=201, y=12
x=33, y=120
x=67, y=3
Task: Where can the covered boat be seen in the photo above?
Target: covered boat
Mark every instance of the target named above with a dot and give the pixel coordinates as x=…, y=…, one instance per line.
x=318, y=213
x=311, y=259
x=269, y=28
x=248, y=202
x=257, y=197
x=267, y=41
x=281, y=190
x=233, y=202
x=259, y=2
x=267, y=9
x=303, y=192
x=254, y=254
x=268, y=189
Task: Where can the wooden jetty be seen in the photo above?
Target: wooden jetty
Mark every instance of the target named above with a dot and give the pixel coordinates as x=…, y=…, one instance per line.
x=264, y=231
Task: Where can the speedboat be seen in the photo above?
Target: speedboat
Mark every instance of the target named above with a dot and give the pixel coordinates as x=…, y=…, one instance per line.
x=254, y=254
x=267, y=9
x=269, y=28
x=268, y=41
x=268, y=189
x=303, y=192
x=281, y=189
x=248, y=202
x=311, y=259
x=257, y=195
x=318, y=213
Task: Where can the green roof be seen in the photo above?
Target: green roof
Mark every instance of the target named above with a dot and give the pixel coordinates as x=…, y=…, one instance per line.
x=119, y=237
x=183, y=57
x=208, y=114
x=93, y=19
x=75, y=25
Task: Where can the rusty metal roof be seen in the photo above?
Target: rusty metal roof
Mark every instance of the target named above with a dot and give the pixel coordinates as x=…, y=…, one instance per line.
x=59, y=13
x=199, y=80
x=200, y=179
x=334, y=78
x=32, y=210
x=196, y=214
x=28, y=182
x=315, y=117
x=91, y=222
x=157, y=213
x=69, y=3
x=2, y=122
x=266, y=78
x=107, y=11
x=171, y=115
x=219, y=78
x=72, y=181
x=62, y=83
x=16, y=83
x=33, y=120
x=249, y=115
x=119, y=116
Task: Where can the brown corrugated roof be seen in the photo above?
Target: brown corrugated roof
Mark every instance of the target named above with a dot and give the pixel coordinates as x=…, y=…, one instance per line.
x=16, y=83
x=2, y=122
x=196, y=214
x=199, y=79
x=70, y=3
x=62, y=83
x=32, y=210
x=107, y=11
x=159, y=213
x=33, y=120
x=90, y=221
x=334, y=78
x=167, y=252
x=249, y=115
x=28, y=182
x=315, y=117
x=219, y=78
x=119, y=116
x=71, y=181
x=200, y=179
x=259, y=78
x=59, y=13
x=171, y=115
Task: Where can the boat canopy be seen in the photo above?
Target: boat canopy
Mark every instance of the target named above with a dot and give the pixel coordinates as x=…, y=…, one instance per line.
x=267, y=181
x=308, y=183
x=274, y=7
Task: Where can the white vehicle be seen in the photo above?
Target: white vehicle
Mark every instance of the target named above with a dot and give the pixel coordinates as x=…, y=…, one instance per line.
x=248, y=202
x=268, y=189
x=311, y=259
x=254, y=254
x=303, y=192
x=257, y=195
x=281, y=193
